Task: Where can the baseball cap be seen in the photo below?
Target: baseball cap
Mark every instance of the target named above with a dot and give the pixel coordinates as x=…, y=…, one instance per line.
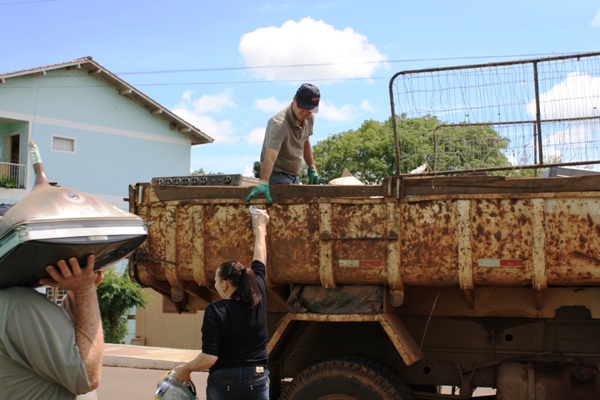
x=307, y=97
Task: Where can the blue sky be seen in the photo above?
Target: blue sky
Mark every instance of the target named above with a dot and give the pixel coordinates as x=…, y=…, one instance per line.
x=196, y=57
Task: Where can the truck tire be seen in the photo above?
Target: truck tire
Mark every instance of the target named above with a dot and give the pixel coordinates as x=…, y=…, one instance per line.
x=347, y=378
x=387, y=372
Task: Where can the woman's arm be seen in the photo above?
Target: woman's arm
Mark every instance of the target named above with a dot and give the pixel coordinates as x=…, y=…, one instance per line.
x=201, y=363
x=260, y=245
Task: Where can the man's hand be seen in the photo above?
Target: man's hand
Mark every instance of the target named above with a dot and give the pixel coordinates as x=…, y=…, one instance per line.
x=74, y=278
x=262, y=188
x=313, y=175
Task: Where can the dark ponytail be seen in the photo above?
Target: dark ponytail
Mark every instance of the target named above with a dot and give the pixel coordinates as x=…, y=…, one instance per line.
x=244, y=281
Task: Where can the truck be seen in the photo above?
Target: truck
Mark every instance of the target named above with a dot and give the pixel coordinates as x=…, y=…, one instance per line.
x=461, y=279
x=479, y=281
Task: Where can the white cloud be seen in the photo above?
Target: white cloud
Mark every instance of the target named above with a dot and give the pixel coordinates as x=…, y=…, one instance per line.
x=596, y=20
x=215, y=161
x=256, y=136
x=566, y=99
x=340, y=54
x=332, y=113
x=214, y=104
x=327, y=110
x=194, y=113
x=271, y=104
x=248, y=170
x=187, y=95
x=366, y=106
x=572, y=144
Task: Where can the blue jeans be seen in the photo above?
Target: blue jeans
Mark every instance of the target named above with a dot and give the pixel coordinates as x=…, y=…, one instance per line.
x=278, y=178
x=240, y=383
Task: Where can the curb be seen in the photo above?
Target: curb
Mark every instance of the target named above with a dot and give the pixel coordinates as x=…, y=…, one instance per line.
x=145, y=357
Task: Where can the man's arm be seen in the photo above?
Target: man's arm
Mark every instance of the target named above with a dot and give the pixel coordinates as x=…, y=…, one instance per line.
x=266, y=168
x=313, y=174
x=260, y=245
x=81, y=286
x=308, y=154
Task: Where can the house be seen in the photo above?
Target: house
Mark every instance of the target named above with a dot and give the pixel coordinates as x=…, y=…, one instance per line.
x=95, y=133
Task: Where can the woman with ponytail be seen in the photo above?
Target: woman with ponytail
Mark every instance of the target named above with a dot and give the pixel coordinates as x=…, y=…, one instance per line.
x=234, y=331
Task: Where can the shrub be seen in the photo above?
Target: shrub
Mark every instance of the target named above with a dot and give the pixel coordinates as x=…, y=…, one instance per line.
x=117, y=294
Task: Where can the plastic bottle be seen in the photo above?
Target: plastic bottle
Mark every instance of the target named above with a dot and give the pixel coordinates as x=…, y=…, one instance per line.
x=255, y=211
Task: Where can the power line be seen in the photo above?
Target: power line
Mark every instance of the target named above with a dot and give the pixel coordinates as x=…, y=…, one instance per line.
x=174, y=71
x=219, y=82
x=254, y=82
x=25, y=2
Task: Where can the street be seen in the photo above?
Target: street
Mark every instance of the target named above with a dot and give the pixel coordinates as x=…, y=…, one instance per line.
x=138, y=384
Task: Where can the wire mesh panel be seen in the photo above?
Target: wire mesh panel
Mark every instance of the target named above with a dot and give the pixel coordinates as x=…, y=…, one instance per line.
x=500, y=116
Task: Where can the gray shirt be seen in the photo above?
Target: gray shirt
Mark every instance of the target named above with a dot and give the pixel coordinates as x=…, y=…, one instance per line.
x=39, y=358
x=284, y=135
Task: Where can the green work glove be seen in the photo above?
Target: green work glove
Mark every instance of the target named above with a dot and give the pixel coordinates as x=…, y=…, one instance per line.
x=262, y=188
x=313, y=175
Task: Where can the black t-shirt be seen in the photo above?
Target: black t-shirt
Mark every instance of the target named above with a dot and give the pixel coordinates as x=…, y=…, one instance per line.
x=235, y=333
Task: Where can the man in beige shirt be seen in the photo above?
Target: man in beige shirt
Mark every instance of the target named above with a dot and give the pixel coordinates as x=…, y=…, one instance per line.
x=287, y=142
x=47, y=353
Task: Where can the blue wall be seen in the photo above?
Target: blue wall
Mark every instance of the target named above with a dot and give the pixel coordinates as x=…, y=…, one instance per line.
x=118, y=142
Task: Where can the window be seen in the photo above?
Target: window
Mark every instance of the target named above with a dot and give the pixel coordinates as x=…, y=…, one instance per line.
x=63, y=144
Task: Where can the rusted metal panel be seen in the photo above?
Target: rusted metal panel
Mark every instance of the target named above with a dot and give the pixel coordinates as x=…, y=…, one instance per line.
x=228, y=235
x=394, y=261
x=486, y=185
x=428, y=244
x=464, y=241
x=325, y=256
x=359, y=232
x=197, y=248
x=502, y=229
x=539, y=381
x=538, y=257
x=278, y=192
x=572, y=241
x=469, y=241
x=293, y=243
x=391, y=324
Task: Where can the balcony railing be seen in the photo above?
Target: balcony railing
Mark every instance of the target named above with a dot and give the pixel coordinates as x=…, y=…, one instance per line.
x=12, y=175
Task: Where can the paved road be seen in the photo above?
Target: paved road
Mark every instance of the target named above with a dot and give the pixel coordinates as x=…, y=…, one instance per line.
x=138, y=384
x=132, y=372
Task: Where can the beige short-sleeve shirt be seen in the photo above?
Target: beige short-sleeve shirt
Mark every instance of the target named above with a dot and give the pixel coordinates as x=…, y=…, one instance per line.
x=285, y=136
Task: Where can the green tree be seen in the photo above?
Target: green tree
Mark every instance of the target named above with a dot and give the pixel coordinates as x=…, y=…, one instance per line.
x=117, y=294
x=369, y=151
x=467, y=147
x=256, y=169
x=201, y=171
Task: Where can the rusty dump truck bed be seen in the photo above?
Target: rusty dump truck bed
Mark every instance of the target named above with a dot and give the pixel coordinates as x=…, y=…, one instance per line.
x=457, y=234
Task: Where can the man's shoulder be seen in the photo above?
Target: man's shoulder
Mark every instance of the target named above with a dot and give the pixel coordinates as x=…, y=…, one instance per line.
x=17, y=293
x=25, y=301
x=279, y=118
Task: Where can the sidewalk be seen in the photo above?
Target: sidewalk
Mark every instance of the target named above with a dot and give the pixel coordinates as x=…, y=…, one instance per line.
x=145, y=357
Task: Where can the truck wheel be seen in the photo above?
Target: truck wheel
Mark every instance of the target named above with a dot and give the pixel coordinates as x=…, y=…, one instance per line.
x=388, y=373
x=344, y=379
